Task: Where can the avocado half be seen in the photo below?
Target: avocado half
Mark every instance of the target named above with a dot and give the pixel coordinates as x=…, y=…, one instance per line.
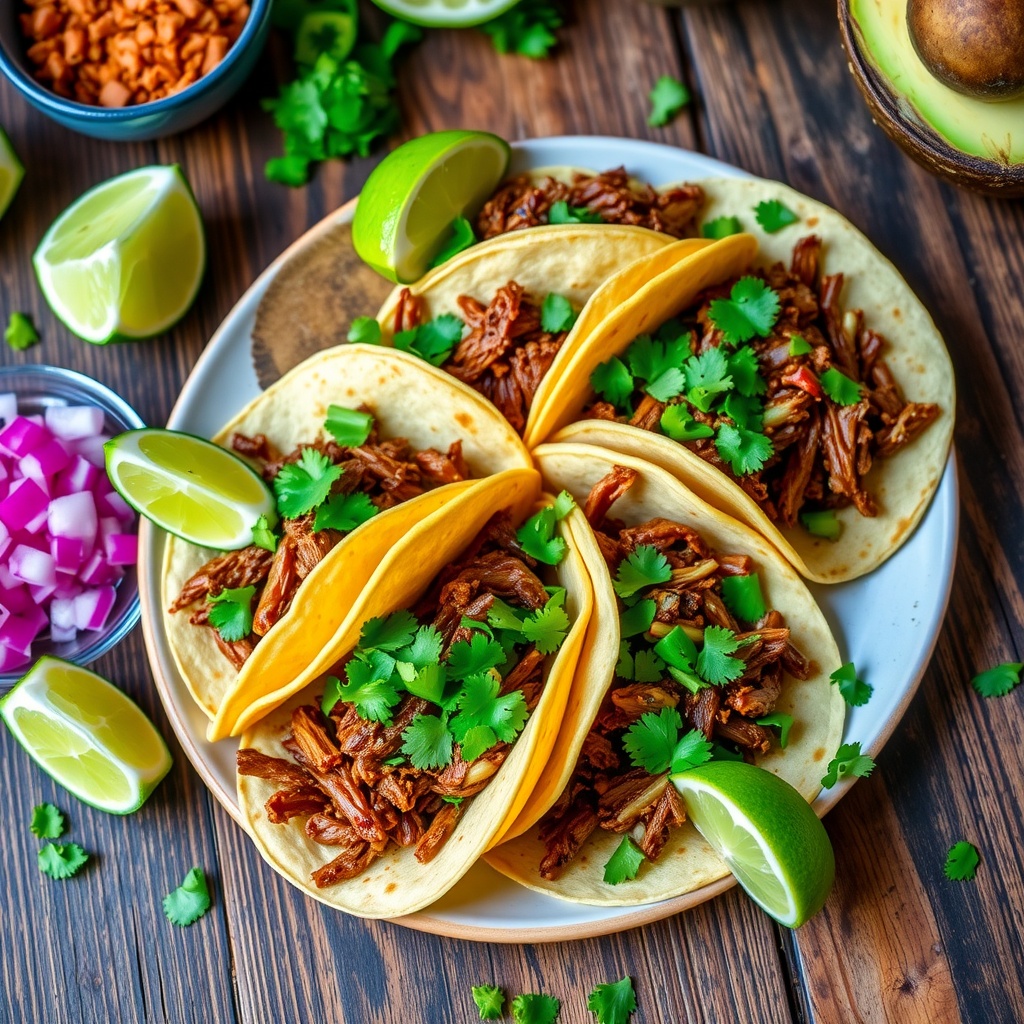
x=972, y=142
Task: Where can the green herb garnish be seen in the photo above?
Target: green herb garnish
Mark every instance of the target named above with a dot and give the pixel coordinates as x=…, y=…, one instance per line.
x=745, y=450
x=998, y=681
x=774, y=216
x=189, y=901
x=721, y=227
x=799, y=346
x=668, y=97
x=624, y=863
x=535, y=1008
x=365, y=330
x=714, y=662
x=433, y=341
x=654, y=744
x=231, y=613
x=840, y=388
x=47, y=822
x=848, y=761
x=613, y=1004
x=263, y=536
x=528, y=29
x=562, y=213
x=962, y=862
x=537, y=535
x=61, y=860
x=301, y=486
x=427, y=742
x=490, y=1001
x=344, y=512
x=781, y=721
x=644, y=567
x=556, y=314
x=855, y=692
x=750, y=311
x=20, y=332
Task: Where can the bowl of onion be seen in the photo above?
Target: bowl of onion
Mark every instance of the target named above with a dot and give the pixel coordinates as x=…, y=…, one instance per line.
x=68, y=547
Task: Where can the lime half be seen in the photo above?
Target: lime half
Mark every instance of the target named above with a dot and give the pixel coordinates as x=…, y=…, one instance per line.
x=766, y=832
x=86, y=735
x=447, y=13
x=190, y=487
x=407, y=206
x=11, y=172
x=125, y=260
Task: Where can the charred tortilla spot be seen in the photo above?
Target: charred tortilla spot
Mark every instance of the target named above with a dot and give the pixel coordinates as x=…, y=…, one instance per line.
x=818, y=754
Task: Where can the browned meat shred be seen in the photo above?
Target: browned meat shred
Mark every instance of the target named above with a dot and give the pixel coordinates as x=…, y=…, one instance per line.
x=606, y=791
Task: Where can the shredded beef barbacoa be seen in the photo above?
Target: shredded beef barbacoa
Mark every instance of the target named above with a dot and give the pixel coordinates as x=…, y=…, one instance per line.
x=822, y=450
x=522, y=202
x=389, y=471
x=605, y=791
x=339, y=778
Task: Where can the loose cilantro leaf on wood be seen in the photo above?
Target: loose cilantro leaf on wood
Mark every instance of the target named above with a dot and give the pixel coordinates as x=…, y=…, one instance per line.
x=47, y=822
x=189, y=901
x=678, y=423
x=427, y=742
x=855, y=692
x=848, y=761
x=840, y=388
x=231, y=613
x=721, y=227
x=433, y=341
x=962, y=862
x=782, y=722
x=613, y=1004
x=774, y=216
x=743, y=597
x=344, y=512
x=998, y=681
x=651, y=741
x=613, y=382
x=365, y=330
x=557, y=314
x=301, y=486
x=643, y=568
x=61, y=860
x=263, y=536
x=490, y=1001
x=389, y=632
x=562, y=213
x=746, y=451
x=460, y=239
x=526, y=29
x=750, y=311
x=20, y=332
x=624, y=863
x=714, y=662
x=668, y=97
x=350, y=427
x=368, y=686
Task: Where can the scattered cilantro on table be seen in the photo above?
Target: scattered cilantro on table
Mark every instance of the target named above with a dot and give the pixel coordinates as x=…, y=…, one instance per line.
x=61, y=860
x=349, y=427
x=365, y=330
x=528, y=28
x=624, y=863
x=263, y=536
x=535, y=1008
x=613, y=1003
x=781, y=721
x=490, y=1001
x=721, y=227
x=301, y=486
x=432, y=341
x=461, y=238
x=186, y=904
x=47, y=822
x=998, y=681
x=668, y=97
x=562, y=213
x=344, y=512
x=20, y=332
x=962, y=862
x=774, y=216
x=231, y=613
x=840, y=388
x=849, y=761
x=855, y=691
x=557, y=314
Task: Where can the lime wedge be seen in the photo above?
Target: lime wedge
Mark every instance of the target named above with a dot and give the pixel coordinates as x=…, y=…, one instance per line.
x=446, y=13
x=766, y=832
x=125, y=260
x=407, y=206
x=190, y=487
x=11, y=172
x=86, y=735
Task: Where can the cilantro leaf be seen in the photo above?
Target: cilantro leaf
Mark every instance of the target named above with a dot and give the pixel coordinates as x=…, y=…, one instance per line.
x=369, y=689
x=263, y=536
x=668, y=97
x=750, y=311
x=461, y=238
x=774, y=216
x=782, y=722
x=425, y=648
x=474, y=656
x=614, y=383
x=746, y=413
x=477, y=741
x=427, y=742
x=651, y=741
x=651, y=359
x=47, y=822
x=962, y=862
x=746, y=372
x=626, y=665
x=799, y=346
x=643, y=568
x=480, y=706
x=822, y=523
x=668, y=385
x=706, y=376
x=714, y=663
x=490, y=1001
x=557, y=314
x=612, y=1004
x=186, y=904
x=231, y=613
x=998, y=681
x=350, y=427
x=427, y=681
x=20, y=332
x=854, y=691
x=456, y=800
x=344, y=512
x=538, y=539
x=564, y=504
x=848, y=761
x=61, y=860
x=301, y=486
x=535, y=1008
x=647, y=667
x=691, y=750
x=678, y=423
x=746, y=451
x=742, y=596
x=365, y=330
x=433, y=341
x=562, y=213
x=546, y=627
x=721, y=227
x=840, y=388
x=637, y=619
x=389, y=632
x=332, y=694
x=624, y=863
x=677, y=649
x=503, y=616
x=526, y=29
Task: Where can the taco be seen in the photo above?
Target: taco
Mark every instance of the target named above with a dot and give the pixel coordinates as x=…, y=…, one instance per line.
x=703, y=642
x=376, y=788
x=792, y=379
x=378, y=432
x=505, y=316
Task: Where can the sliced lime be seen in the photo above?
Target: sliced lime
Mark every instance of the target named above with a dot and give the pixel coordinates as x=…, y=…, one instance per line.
x=11, y=172
x=407, y=206
x=766, y=832
x=125, y=260
x=190, y=487
x=447, y=13
x=86, y=735
x=330, y=32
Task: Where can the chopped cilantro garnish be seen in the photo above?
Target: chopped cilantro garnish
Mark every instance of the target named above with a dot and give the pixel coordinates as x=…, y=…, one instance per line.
x=612, y=1004
x=263, y=536
x=781, y=721
x=750, y=311
x=745, y=450
x=651, y=741
x=432, y=341
x=231, y=613
x=301, y=486
x=714, y=663
x=626, y=665
x=344, y=512
x=848, y=761
x=61, y=860
x=706, y=376
x=535, y=1008
x=678, y=423
x=647, y=667
x=743, y=597
x=721, y=227
x=745, y=372
x=998, y=681
x=546, y=627
x=557, y=314
x=564, y=504
x=643, y=568
x=822, y=524
x=799, y=346
x=774, y=216
x=460, y=239
x=624, y=863
x=427, y=742
x=962, y=862
x=668, y=97
x=427, y=681
x=526, y=29
x=720, y=753
x=474, y=656
x=651, y=358
x=747, y=413
x=490, y=1001
x=481, y=708
x=456, y=800
x=677, y=649
x=667, y=385
x=613, y=382
x=47, y=822
x=368, y=686
x=562, y=213
x=840, y=388
x=855, y=692
x=365, y=330
x=189, y=901
x=20, y=332
x=350, y=427
x=693, y=749
x=388, y=633
x=537, y=534
x=425, y=648
x=637, y=619
x=332, y=694
x=503, y=616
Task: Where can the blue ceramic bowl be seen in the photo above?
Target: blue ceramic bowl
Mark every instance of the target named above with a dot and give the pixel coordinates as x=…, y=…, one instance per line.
x=147, y=120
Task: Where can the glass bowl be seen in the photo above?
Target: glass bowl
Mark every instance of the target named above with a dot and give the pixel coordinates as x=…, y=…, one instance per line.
x=38, y=387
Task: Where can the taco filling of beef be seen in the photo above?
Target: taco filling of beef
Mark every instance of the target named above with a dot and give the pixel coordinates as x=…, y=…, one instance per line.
x=609, y=197
x=770, y=380
x=324, y=490
x=432, y=700
x=701, y=665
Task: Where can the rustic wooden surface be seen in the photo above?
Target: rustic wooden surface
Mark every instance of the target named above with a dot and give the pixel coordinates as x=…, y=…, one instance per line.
x=896, y=942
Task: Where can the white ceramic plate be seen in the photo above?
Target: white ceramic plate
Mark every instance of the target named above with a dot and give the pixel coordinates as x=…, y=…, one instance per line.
x=886, y=622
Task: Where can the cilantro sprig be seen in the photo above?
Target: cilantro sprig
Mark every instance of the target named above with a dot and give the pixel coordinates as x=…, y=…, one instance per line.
x=962, y=862
x=47, y=822
x=301, y=486
x=643, y=567
x=562, y=213
x=344, y=512
x=231, y=613
x=998, y=681
x=855, y=691
x=668, y=97
x=433, y=341
x=557, y=314
x=364, y=330
x=61, y=860
x=528, y=29
x=263, y=535
x=624, y=863
x=750, y=311
x=721, y=227
x=535, y=1008
x=849, y=761
x=654, y=744
x=537, y=535
x=774, y=216
x=20, y=333
x=490, y=1001
x=613, y=1003
x=186, y=904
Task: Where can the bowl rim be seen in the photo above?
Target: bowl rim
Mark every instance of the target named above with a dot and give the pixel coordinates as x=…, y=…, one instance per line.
x=51, y=102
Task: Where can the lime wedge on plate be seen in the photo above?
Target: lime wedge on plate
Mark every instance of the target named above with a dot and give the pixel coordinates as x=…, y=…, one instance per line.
x=86, y=735
x=407, y=206
x=125, y=260
x=190, y=487
x=766, y=832
x=446, y=13
x=11, y=172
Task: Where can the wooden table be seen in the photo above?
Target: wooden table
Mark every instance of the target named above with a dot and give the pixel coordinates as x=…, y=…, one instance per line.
x=896, y=941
